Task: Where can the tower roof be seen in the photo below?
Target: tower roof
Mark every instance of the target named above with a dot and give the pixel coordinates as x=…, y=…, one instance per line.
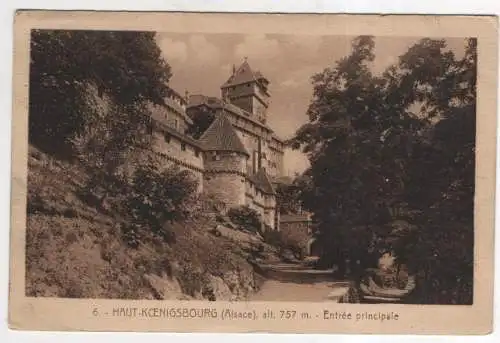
x=262, y=182
x=221, y=136
x=244, y=74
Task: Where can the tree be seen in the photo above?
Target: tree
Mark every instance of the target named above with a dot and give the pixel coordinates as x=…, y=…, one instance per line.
x=125, y=65
x=107, y=142
x=290, y=195
x=159, y=196
x=202, y=118
x=246, y=218
x=403, y=147
x=347, y=118
x=443, y=187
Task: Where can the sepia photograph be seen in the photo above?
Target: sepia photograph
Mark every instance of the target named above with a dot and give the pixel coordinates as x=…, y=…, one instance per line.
x=251, y=167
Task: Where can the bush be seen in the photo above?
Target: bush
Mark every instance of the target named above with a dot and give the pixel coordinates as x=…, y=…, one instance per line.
x=158, y=197
x=272, y=237
x=281, y=241
x=246, y=218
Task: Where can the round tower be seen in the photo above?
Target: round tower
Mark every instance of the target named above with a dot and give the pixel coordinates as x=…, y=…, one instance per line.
x=225, y=163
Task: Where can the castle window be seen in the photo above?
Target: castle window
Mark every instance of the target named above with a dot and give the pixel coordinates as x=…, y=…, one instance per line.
x=167, y=138
x=197, y=153
x=176, y=124
x=183, y=146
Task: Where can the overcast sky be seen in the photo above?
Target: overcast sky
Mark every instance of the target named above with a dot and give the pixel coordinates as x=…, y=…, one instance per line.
x=201, y=63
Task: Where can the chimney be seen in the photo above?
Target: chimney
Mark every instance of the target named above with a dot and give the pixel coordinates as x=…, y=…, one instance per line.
x=234, y=69
x=186, y=95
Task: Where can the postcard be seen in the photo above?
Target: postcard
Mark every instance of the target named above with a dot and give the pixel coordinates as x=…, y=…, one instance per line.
x=282, y=173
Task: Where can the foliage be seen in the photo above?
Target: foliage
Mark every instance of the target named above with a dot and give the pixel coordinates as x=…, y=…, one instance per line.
x=403, y=144
x=107, y=143
x=272, y=237
x=125, y=65
x=202, y=118
x=160, y=196
x=246, y=218
x=289, y=195
x=284, y=242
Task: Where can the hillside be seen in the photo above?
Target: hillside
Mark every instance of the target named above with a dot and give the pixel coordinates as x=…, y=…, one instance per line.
x=75, y=250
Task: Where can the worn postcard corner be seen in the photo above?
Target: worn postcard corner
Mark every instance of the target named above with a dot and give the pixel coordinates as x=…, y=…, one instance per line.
x=196, y=172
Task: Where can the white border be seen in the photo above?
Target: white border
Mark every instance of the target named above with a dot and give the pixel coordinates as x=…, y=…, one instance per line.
x=352, y=6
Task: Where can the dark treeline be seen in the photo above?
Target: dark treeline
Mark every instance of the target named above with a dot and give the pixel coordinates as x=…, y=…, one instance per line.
x=126, y=66
x=392, y=163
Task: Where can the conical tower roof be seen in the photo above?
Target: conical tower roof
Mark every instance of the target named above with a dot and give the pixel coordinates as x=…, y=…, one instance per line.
x=221, y=136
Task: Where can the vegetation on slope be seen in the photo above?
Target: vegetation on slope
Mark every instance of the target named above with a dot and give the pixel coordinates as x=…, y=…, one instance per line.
x=77, y=250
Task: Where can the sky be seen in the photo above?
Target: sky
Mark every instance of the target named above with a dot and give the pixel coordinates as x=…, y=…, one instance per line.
x=201, y=63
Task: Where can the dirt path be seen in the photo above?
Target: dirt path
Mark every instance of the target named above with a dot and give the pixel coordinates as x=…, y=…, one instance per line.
x=294, y=282
x=274, y=290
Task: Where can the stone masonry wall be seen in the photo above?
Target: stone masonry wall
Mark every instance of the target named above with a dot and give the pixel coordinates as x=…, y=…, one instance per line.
x=252, y=135
x=228, y=188
x=225, y=177
x=178, y=152
x=224, y=161
x=264, y=204
x=170, y=117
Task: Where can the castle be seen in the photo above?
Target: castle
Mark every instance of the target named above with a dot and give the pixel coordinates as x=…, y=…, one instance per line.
x=238, y=159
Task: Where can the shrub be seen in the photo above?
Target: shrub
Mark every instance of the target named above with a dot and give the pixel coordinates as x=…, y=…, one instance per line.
x=160, y=196
x=107, y=145
x=283, y=242
x=272, y=237
x=245, y=217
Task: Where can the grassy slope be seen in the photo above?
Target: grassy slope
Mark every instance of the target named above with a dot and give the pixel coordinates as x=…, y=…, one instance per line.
x=73, y=250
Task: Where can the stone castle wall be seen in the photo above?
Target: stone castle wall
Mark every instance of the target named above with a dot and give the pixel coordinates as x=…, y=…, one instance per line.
x=228, y=188
x=257, y=138
x=170, y=117
x=225, y=161
x=276, y=165
x=264, y=204
x=225, y=177
x=176, y=151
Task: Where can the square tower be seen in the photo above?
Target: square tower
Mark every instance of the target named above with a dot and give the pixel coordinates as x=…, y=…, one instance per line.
x=248, y=90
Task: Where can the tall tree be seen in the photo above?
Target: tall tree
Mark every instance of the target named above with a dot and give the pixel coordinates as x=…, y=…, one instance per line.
x=125, y=65
x=443, y=173
x=391, y=146
x=347, y=120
